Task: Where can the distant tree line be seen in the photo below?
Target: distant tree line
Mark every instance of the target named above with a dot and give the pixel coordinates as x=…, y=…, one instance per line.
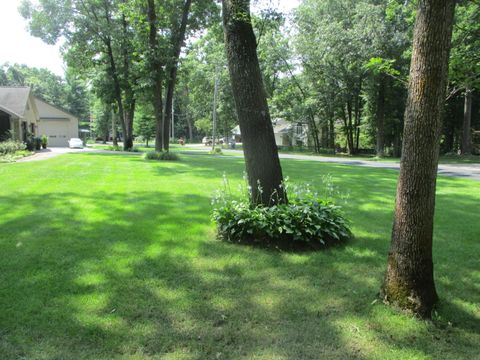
x=338, y=67
x=69, y=93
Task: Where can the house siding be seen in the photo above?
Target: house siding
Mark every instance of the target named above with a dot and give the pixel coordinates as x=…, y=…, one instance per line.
x=57, y=124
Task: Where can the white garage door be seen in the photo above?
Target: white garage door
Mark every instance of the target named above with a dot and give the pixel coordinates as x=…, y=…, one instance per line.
x=57, y=132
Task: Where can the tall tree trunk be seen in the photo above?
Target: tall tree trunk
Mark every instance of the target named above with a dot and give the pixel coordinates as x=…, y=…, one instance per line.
x=380, y=115
x=466, y=147
x=190, y=128
x=178, y=41
x=349, y=129
x=117, y=90
x=331, y=130
x=261, y=154
x=157, y=72
x=409, y=279
x=313, y=131
x=114, y=128
x=129, y=110
x=129, y=115
x=357, y=115
x=397, y=141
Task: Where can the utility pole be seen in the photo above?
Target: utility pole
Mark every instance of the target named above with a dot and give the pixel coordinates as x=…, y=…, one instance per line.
x=215, y=95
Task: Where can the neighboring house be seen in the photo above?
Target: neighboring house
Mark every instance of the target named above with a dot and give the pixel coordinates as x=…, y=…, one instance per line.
x=23, y=114
x=56, y=123
x=18, y=113
x=290, y=134
x=236, y=134
x=286, y=133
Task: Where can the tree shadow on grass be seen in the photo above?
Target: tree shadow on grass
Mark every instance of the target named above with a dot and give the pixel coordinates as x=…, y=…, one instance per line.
x=131, y=279
x=106, y=274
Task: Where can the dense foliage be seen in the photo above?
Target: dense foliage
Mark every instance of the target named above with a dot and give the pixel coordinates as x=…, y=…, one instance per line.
x=11, y=147
x=339, y=68
x=307, y=221
x=161, y=155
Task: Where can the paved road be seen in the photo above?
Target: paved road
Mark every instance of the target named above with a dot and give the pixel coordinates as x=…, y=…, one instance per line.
x=467, y=171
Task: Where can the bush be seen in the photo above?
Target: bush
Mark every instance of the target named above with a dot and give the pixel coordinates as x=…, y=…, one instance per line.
x=306, y=222
x=157, y=155
x=113, y=148
x=11, y=147
x=216, y=151
x=37, y=142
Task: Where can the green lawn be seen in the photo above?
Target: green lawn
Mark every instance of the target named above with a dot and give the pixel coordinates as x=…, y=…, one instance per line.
x=107, y=256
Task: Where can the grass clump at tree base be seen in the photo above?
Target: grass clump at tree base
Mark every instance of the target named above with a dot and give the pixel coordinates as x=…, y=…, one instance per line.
x=160, y=155
x=307, y=222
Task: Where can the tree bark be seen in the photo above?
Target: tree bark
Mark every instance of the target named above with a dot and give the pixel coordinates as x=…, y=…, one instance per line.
x=381, y=118
x=157, y=73
x=261, y=154
x=129, y=110
x=114, y=128
x=178, y=41
x=117, y=90
x=358, y=116
x=349, y=128
x=466, y=148
x=409, y=281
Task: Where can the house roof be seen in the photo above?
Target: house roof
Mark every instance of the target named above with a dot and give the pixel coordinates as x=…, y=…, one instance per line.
x=43, y=105
x=280, y=126
x=13, y=100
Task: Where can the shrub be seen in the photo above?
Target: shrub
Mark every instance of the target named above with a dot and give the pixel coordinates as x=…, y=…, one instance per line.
x=216, y=151
x=11, y=147
x=305, y=222
x=30, y=143
x=37, y=142
x=44, y=140
x=157, y=155
x=113, y=148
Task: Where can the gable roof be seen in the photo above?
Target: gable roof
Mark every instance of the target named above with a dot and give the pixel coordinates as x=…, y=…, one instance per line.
x=45, y=110
x=13, y=100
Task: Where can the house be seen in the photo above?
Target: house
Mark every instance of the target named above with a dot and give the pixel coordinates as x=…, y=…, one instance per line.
x=286, y=133
x=236, y=135
x=18, y=113
x=23, y=114
x=56, y=123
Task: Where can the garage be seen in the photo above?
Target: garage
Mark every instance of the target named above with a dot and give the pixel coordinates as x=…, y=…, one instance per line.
x=57, y=124
x=57, y=131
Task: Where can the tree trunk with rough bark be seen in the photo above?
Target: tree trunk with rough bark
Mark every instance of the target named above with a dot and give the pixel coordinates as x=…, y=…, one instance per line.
x=261, y=154
x=117, y=90
x=409, y=281
x=129, y=104
x=381, y=118
x=466, y=147
x=172, y=73
x=114, y=128
x=157, y=72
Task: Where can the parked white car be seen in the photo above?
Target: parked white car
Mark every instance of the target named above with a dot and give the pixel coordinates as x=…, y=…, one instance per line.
x=75, y=143
x=207, y=140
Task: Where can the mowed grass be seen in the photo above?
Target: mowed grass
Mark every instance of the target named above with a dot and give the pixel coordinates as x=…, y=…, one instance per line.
x=107, y=256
